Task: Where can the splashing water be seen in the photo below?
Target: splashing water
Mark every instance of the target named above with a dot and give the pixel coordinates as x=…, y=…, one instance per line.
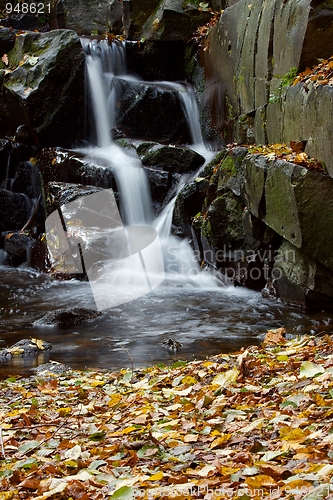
x=105, y=64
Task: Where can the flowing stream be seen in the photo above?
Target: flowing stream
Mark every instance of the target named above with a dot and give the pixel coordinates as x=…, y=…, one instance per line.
x=189, y=306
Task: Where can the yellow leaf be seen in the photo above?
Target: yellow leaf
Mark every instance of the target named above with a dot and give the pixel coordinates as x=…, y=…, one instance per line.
x=226, y=378
x=114, y=399
x=220, y=440
x=15, y=350
x=288, y=434
x=129, y=429
x=156, y=477
x=319, y=400
x=39, y=343
x=97, y=383
x=188, y=380
x=260, y=480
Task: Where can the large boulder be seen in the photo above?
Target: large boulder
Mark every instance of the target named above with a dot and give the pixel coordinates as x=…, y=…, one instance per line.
x=61, y=166
x=43, y=86
x=172, y=159
x=94, y=17
x=301, y=280
x=174, y=20
x=149, y=19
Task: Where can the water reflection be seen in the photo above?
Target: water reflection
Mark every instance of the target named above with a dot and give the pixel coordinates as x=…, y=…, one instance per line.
x=205, y=320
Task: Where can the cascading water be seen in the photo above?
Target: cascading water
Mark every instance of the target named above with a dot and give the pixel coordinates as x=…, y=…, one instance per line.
x=105, y=65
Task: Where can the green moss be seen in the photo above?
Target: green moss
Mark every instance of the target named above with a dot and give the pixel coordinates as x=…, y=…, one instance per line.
x=286, y=81
x=223, y=224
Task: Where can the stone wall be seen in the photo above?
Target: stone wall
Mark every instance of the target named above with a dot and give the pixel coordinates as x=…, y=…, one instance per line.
x=268, y=223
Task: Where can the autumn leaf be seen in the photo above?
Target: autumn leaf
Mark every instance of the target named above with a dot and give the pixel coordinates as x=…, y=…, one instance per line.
x=309, y=369
x=275, y=336
x=4, y=59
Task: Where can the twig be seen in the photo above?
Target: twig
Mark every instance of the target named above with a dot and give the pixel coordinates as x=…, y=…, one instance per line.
x=2, y=446
x=132, y=363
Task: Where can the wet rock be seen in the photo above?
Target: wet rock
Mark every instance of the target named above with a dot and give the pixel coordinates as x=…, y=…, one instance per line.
x=301, y=280
x=52, y=367
x=160, y=184
x=15, y=210
x=24, y=347
x=190, y=199
x=255, y=172
x=174, y=20
x=152, y=112
x=60, y=167
x=22, y=22
x=44, y=88
x=60, y=193
x=66, y=318
x=91, y=16
x=17, y=247
x=189, y=203
x=172, y=159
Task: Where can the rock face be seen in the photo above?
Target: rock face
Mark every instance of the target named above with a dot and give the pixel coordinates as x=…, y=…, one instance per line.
x=65, y=174
x=250, y=50
x=259, y=220
x=43, y=86
x=153, y=113
x=150, y=19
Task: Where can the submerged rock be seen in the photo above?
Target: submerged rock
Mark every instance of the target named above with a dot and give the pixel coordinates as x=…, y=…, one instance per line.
x=65, y=318
x=24, y=347
x=52, y=367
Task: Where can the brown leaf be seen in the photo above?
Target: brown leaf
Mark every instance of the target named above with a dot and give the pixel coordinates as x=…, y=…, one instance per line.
x=297, y=146
x=275, y=336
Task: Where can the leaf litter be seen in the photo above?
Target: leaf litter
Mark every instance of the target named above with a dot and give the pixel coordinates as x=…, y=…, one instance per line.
x=253, y=424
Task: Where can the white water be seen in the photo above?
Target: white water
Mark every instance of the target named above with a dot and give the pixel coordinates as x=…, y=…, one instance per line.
x=104, y=65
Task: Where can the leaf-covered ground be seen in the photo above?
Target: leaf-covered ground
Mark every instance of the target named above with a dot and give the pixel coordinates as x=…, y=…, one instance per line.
x=252, y=424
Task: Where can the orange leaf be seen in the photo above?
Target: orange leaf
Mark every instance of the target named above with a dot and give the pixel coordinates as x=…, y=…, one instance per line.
x=275, y=336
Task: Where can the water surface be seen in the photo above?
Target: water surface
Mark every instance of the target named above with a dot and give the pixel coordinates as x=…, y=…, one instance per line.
x=204, y=319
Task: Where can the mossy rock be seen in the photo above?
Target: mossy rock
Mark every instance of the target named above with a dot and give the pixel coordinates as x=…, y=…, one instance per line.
x=223, y=224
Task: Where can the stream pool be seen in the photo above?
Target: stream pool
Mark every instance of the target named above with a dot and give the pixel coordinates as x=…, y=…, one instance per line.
x=204, y=319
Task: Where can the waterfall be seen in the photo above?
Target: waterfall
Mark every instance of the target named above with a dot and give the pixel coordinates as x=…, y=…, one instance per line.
x=105, y=64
